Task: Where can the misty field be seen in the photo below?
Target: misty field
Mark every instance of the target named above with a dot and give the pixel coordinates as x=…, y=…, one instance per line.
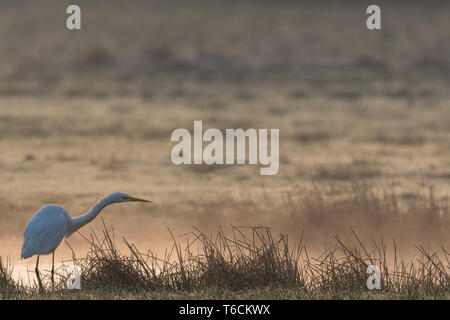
x=364, y=147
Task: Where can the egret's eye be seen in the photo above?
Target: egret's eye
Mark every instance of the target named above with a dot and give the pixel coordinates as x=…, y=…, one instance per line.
x=124, y=198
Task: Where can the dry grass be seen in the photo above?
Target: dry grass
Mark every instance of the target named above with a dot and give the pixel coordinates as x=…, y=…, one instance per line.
x=248, y=259
x=8, y=287
x=236, y=263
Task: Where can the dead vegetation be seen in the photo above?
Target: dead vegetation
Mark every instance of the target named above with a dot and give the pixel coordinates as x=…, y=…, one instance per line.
x=246, y=259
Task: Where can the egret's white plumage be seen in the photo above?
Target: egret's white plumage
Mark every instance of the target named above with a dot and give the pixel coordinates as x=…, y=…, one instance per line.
x=48, y=227
x=45, y=231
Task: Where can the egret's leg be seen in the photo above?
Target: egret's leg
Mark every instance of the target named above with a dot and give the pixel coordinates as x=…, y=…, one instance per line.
x=37, y=273
x=53, y=267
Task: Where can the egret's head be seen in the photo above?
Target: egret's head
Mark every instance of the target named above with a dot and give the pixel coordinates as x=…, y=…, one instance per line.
x=123, y=197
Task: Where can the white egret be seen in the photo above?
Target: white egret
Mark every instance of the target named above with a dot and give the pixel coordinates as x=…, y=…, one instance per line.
x=46, y=229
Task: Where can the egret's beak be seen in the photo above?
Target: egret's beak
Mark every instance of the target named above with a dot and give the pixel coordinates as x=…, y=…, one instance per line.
x=138, y=200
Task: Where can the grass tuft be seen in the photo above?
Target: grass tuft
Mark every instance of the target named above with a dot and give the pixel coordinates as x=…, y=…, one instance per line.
x=250, y=261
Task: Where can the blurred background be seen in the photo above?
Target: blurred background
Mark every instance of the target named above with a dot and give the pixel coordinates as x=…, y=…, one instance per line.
x=85, y=113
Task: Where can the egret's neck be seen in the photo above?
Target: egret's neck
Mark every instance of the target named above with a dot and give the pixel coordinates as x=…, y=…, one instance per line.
x=82, y=220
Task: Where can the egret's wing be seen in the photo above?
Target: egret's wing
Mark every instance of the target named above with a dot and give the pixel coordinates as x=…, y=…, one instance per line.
x=44, y=231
